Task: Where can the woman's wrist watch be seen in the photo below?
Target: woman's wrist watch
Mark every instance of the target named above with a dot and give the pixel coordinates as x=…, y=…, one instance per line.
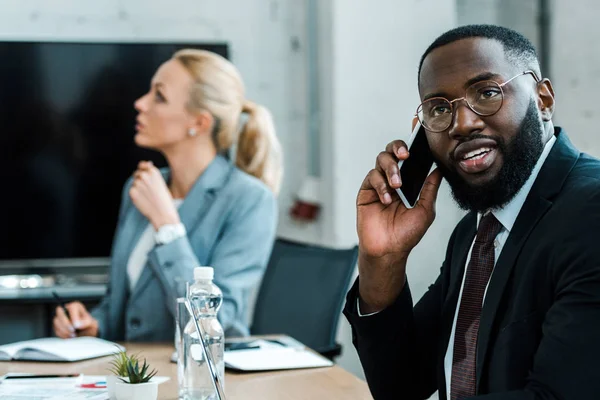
x=169, y=232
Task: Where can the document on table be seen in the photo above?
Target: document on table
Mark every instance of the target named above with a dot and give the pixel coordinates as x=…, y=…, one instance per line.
x=52, y=389
x=269, y=355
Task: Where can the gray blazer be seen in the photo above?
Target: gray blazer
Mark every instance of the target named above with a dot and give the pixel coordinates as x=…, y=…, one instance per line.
x=230, y=218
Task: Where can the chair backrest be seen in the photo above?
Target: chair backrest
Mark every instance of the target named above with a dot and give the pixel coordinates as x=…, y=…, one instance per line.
x=303, y=291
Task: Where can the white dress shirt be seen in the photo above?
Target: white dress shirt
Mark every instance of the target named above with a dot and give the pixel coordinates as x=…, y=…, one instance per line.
x=139, y=255
x=507, y=217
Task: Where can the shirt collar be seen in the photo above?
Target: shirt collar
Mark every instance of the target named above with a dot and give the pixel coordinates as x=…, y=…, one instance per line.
x=507, y=215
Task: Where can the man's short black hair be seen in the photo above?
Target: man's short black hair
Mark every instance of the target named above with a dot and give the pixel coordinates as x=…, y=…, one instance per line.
x=518, y=49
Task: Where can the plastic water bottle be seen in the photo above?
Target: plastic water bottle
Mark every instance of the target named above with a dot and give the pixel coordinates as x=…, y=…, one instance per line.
x=206, y=298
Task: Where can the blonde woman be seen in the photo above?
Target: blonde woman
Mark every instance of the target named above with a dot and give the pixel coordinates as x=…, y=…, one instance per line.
x=202, y=210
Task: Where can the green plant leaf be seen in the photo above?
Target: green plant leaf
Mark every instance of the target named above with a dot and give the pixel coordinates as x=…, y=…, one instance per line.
x=118, y=363
x=154, y=372
x=130, y=367
x=144, y=369
x=133, y=375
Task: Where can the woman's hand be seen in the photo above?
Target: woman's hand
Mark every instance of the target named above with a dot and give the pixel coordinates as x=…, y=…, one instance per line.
x=151, y=196
x=81, y=323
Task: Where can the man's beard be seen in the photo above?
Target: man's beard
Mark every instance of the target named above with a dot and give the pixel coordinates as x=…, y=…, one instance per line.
x=520, y=156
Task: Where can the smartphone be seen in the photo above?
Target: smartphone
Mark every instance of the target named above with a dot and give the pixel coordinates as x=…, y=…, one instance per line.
x=232, y=346
x=415, y=169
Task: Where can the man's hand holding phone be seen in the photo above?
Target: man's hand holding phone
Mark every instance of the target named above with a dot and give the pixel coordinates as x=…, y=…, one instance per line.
x=387, y=229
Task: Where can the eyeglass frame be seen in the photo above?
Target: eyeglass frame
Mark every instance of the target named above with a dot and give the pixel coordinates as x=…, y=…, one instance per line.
x=452, y=109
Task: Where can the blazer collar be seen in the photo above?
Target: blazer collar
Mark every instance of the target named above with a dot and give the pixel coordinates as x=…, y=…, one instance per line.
x=194, y=207
x=549, y=183
x=212, y=178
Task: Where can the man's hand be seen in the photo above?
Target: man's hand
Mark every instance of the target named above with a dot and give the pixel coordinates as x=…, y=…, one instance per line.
x=387, y=230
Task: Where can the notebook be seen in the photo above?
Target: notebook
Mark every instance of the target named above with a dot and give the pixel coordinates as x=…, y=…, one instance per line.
x=269, y=355
x=56, y=349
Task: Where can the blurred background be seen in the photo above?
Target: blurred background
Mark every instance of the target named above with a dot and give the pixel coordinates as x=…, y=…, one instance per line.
x=338, y=75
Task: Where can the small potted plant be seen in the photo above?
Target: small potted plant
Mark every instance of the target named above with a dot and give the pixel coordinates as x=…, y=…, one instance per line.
x=137, y=385
x=118, y=369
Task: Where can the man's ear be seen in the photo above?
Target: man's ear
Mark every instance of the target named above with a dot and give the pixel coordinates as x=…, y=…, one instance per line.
x=545, y=99
x=414, y=123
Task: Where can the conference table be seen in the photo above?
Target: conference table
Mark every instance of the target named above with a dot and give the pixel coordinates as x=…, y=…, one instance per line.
x=319, y=383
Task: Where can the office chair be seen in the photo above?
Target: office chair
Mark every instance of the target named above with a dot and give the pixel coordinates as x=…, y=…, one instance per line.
x=302, y=294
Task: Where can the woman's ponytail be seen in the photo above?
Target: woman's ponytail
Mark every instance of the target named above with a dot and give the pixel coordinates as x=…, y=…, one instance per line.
x=258, y=149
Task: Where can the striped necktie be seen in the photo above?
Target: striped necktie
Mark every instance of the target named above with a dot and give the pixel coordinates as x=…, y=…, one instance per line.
x=479, y=270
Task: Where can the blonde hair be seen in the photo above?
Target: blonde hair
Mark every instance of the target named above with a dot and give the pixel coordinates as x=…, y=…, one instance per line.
x=218, y=88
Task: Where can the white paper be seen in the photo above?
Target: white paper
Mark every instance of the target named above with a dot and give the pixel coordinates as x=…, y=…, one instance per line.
x=274, y=358
x=51, y=389
x=57, y=388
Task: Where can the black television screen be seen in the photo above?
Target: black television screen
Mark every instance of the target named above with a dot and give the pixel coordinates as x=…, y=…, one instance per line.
x=66, y=142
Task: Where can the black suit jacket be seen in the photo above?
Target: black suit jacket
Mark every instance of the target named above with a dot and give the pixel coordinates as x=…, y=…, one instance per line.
x=539, y=336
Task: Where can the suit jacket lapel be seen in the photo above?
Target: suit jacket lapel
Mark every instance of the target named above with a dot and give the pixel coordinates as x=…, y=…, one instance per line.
x=195, y=204
x=548, y=183
x=533, y=210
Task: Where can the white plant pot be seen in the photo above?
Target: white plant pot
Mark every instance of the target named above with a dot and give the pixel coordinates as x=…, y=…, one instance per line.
x=111, y=381
x=136, y=391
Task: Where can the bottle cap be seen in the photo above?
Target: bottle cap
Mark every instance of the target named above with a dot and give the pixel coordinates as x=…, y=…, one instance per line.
x=206, y=273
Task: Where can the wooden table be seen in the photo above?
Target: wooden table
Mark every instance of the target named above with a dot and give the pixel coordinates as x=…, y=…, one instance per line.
x=321, y=383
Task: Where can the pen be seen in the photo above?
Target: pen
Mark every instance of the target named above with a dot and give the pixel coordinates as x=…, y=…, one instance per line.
x=61, y=303
x=94, y=385
x=34, y=376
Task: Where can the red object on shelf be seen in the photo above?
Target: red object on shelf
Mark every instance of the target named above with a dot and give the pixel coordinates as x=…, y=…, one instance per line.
x=307, y=205
x=305, y=211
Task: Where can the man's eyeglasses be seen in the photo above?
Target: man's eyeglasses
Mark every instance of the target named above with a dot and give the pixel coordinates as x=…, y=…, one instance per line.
x=485, y=98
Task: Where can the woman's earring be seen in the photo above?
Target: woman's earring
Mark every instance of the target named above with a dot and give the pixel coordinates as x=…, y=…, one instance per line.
x=192, y=132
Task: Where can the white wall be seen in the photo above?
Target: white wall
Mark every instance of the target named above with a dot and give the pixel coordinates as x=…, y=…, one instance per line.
x=477, y=12
x=575, y=66
x=520, y=15
x=369, y=95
